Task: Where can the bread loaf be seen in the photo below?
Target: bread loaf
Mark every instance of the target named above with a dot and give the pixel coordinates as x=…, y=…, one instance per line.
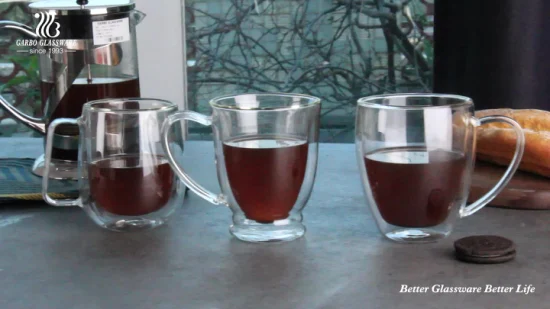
x=496, y=141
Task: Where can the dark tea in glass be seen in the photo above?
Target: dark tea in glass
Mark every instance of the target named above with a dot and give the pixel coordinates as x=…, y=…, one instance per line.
x=131, y=185
x=80, y=92
x=416, y=155
x=266, y=158
x=265, y=175
x=437, y=176
x=126, y=182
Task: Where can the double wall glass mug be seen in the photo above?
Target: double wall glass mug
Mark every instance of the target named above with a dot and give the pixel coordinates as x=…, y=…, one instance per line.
x=125, y=180
x=416, y=156
x=266, y=157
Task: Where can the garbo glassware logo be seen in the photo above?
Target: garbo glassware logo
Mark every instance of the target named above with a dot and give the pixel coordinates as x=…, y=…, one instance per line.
x=46, y=32
x=43, y=29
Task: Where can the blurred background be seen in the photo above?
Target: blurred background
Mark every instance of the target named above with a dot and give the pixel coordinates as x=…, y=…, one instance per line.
x=339, y=50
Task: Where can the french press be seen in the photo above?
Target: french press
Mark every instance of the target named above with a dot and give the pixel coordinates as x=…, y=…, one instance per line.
x=87, y=51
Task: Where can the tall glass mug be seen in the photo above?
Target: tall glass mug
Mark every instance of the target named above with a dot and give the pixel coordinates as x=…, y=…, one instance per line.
x=126, y=183
x=266, y=156
x=416, y=156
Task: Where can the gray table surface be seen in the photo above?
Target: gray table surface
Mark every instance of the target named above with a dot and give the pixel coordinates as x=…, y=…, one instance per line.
x=57, y=258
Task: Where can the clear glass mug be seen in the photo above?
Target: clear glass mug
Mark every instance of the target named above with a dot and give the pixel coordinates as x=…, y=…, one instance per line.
x=125, y=180
x=266, y=157
x=416, y=155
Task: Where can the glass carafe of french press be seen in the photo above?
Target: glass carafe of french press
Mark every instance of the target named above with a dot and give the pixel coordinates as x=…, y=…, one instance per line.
x=87, y=51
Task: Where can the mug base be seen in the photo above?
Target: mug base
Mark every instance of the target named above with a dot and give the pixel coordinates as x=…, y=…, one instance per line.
x=120, y=223
x=277, y=231
x=59, y=169
x=412, y=235
x=134, y=225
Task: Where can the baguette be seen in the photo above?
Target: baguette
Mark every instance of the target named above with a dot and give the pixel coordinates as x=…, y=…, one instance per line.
x=496, y=141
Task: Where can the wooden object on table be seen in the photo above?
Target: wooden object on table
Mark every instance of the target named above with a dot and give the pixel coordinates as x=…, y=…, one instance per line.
x=524, y=191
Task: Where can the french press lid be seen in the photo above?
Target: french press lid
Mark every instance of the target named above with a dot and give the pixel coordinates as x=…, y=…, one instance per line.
x=82, y=7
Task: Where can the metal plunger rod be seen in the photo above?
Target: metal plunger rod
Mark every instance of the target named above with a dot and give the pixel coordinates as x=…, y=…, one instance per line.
x=82, y=3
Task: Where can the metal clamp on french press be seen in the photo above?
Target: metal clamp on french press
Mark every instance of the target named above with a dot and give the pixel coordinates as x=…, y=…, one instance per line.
x=89, y=53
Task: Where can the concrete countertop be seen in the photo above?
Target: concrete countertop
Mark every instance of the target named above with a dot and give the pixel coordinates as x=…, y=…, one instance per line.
x=57, y=258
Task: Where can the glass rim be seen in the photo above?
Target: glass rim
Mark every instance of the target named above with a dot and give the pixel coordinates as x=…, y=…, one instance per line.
x=369, y=101
x=164, y=106
x=312, y=101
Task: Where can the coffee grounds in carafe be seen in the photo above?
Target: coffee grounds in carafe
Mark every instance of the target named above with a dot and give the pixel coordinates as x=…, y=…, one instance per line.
x=79, y=93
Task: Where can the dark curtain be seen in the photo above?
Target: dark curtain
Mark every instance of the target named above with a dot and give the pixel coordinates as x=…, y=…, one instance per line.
x=495, y=51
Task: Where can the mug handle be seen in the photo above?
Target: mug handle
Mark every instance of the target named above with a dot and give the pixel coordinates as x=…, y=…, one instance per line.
x=518, y=155
x=213, y=198
x=47, y=162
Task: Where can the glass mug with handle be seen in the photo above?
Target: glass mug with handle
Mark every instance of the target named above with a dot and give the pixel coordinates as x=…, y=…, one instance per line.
x=125, y=181
x=266, y=156
x=416, y=156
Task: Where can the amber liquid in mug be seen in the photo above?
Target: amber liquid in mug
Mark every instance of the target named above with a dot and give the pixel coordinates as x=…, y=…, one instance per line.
x=131, y=185
x=266, y=175
x=79, y=93
x=413, y=187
